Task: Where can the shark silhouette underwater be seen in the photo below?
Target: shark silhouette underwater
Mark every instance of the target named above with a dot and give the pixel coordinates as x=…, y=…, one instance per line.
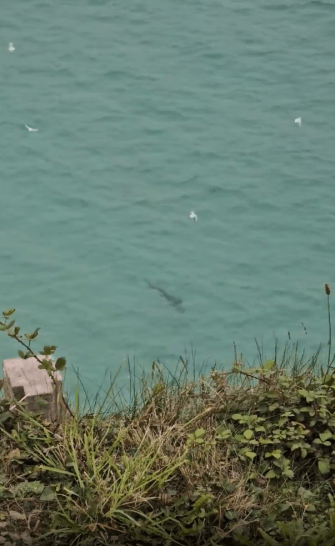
x=172, y=300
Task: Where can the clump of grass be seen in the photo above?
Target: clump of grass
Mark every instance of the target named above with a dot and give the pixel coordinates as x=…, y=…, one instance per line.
x=238, y=457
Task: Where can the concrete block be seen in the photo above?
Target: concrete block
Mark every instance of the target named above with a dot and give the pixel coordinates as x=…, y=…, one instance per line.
x=23, y=378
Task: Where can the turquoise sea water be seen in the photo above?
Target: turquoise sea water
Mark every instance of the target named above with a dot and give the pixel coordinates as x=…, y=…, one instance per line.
x=146, y=111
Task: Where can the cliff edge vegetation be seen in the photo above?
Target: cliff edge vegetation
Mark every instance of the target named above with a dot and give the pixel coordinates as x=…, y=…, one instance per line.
x=244, y=456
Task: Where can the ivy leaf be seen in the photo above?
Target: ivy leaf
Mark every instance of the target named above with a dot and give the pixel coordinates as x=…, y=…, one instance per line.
x=305, y=493
x=285, y=506
x=265, y=441
x=250, y=454
x=303, y=452
x=323, y=465
x=325, y=435
x=223, y=434
x=303, y=393
x=248, y=434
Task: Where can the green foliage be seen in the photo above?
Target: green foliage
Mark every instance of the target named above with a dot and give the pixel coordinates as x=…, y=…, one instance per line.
x=294, y=533
x=8, y=313
x=48, y=350
x=299, y=424
x=275, y=438
x=32, y=336
x=60, y=363
x=195, y=438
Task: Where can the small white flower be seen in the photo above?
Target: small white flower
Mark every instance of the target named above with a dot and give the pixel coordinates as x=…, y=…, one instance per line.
x=10, y=47
x=193, y=215
x=30, y=129
x=298, y=120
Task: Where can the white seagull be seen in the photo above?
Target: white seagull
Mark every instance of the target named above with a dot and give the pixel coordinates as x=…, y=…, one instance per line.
x=30, y=129
x=193, y=215
x=10, y=47
x=298, y=120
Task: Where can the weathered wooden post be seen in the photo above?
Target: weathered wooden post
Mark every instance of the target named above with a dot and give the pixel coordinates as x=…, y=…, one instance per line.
x=23, y=379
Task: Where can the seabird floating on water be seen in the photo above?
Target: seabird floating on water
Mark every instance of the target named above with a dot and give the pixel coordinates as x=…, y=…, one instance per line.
x=193, y=215
x=30, y=129
x=10, y=47
x=298, y=120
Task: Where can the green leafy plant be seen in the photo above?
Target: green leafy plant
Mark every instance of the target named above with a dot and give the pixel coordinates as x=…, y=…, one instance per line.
x=45, y=364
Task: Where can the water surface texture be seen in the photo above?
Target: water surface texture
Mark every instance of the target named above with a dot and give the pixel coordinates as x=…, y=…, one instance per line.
x=146, y=111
